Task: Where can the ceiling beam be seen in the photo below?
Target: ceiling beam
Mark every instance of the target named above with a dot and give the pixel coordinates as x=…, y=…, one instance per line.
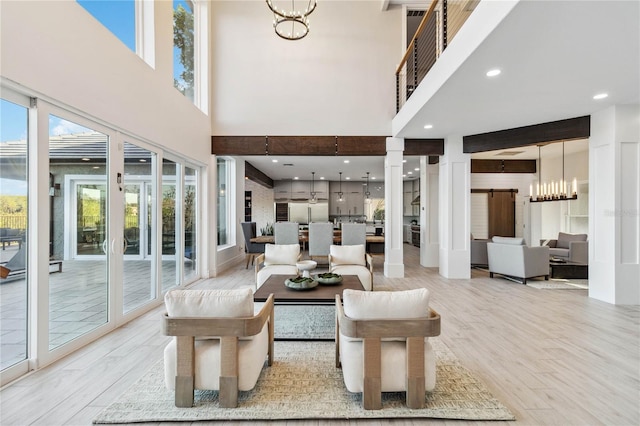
x=256, y=175
x=424, y=147
x=537, y=134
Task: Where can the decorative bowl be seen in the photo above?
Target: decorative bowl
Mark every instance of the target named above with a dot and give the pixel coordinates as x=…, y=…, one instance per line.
x=300, y=283
x=328, y=278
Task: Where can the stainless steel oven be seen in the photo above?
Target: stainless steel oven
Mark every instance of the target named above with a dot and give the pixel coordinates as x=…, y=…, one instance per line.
x=415, y=235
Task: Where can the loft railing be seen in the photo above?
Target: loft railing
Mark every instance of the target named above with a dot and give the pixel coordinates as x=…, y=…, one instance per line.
x=438, y=27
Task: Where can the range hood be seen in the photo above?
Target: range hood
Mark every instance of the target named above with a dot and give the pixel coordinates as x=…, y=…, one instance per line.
x=416, y=201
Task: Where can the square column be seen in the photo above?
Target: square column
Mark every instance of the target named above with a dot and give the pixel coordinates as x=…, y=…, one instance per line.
x=454, y=203
x=429, y=242
x=393, y=250
x=614, y=205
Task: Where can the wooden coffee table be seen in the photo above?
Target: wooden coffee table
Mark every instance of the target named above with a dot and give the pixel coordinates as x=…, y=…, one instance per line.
x=320, y=295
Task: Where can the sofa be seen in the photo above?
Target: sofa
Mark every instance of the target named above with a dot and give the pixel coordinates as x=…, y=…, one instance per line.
x=511, y=257
x=569, y=247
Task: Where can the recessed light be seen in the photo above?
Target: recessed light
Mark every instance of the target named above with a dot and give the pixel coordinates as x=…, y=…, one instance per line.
x=428, y=126
x=409, y=173
x=96, y=167
x=295, y=178
x=600, y=96
x=373, y=178
x=321, y=177
x=404, y=161
x=404, y=176
x=274, y=161
x=142, y=160
x=346, y=161
x=348, y=178
x=86, y=159
x=493, y=73
x=417, y=169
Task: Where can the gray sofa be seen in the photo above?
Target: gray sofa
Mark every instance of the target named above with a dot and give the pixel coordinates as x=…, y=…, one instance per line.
x=479, y=252
x=569, y=247
x=512, y=258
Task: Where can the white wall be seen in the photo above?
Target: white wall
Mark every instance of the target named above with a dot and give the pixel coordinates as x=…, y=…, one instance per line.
x=57, y=49
x=339, y=80
x=262, y=204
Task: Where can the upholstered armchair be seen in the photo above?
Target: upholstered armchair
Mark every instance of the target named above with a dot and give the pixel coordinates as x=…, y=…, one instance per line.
x=229, y=362
x=511, y=257
x=286, y=233
x=320, y=238
x=479, y=252
x=278, y=259
x=570, y=247
x=251, y=249
x=382, y=344
x=352, y=260
x=354, y=234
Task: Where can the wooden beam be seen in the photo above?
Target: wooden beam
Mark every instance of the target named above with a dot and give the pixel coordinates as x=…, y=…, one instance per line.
x=424, y=147
x=361, y=145
x=238, y=145
x=569, y=129
x=252, y=173
x=301, y=145
x=503, y=166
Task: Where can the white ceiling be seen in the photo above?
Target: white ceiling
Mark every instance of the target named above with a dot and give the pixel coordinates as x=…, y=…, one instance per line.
x=554, y=57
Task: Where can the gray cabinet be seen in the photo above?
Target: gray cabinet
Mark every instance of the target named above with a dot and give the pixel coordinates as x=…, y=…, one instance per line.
x=282, y=190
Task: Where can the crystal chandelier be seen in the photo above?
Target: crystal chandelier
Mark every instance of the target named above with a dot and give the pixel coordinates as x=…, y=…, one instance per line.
x=291, y=24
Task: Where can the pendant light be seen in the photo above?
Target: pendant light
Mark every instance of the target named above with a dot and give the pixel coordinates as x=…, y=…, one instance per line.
x=340, y=194
x=313, y=199
x=367, y=194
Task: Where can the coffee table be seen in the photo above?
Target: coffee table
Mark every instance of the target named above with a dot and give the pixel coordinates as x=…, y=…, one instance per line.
x=320, y=295
x=568, y=270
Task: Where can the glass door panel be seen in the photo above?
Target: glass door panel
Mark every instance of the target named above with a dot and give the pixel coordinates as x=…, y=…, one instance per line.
x=13, y=232
x=190, y=211
x=78, y=295
x=138, y=266
x=169, y=225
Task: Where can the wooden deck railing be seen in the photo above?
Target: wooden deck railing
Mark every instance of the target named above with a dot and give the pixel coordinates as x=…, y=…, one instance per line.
x=438, y=27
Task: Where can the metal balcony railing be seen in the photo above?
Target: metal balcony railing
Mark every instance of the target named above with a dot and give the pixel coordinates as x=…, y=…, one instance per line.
x=438, y=27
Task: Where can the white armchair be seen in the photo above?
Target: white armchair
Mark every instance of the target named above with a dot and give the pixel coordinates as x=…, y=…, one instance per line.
x=352, y=260
x=382, y=344
x=278, y=259
x=229, y=362
x=511, y=257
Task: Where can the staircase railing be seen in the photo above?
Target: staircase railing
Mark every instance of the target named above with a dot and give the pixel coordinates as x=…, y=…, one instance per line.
x=436, y=30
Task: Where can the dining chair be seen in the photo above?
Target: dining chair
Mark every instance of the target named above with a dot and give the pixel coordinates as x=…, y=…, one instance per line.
x=354, y=234
x=320, y=239
x=286, y=233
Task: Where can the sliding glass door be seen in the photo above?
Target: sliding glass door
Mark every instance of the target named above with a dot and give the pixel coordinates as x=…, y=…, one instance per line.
x=14, y=205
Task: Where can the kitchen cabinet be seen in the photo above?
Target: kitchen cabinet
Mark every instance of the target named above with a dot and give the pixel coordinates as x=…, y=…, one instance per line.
x=407, y=197
x=416, y=193
x=282, y=190
x=300, y=190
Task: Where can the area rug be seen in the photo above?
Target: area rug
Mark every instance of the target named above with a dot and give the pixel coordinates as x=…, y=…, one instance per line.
x=303, y=383
x=308, y=322
x=560, y=284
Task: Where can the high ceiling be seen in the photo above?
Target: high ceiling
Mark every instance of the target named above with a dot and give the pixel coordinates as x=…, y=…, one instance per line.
x=554, y=57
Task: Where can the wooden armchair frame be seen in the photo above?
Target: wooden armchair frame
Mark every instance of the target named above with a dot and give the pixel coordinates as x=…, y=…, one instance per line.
x=371, y=331
x=229, y=329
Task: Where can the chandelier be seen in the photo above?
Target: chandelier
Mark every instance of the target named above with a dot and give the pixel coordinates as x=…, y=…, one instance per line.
x=291, y=24
x=554, y=190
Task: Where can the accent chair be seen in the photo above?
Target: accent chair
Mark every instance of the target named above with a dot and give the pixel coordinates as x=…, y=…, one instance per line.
x=278, y=259
x=352, y=260
x=512, y=258
x=570, y=247
x=382, y=344
x=229, y=362
x=251, y=249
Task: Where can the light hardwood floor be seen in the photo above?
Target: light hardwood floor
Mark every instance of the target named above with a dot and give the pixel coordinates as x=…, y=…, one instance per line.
x=551, y=356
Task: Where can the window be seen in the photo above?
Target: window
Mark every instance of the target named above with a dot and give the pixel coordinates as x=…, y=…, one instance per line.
x=183, y=47
x=119, y=17
x=224, y=201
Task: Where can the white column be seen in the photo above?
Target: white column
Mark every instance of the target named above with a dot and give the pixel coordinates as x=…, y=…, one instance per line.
x=614, y=205
x=454, y=195
x=429, y=245
x=393, y=251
